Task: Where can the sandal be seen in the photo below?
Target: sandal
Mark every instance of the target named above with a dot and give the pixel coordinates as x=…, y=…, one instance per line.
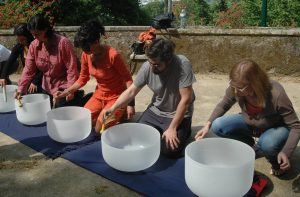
x=277, y=172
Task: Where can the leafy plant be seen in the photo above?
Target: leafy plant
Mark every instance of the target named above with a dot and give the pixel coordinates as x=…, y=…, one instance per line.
x=198, y=12
x=13, y=12
x=284, y=13
x=230, y=18
x=153, y=9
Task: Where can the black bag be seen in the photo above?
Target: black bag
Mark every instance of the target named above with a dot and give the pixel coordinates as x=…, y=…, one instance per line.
x=163, y=21
x=138, y=48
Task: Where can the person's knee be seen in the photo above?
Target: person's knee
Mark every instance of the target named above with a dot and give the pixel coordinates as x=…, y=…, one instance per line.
x=216, y=127
x=268, y=147
x=171, y=153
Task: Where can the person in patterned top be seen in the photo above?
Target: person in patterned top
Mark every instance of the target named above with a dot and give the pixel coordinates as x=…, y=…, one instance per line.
x=54, y=56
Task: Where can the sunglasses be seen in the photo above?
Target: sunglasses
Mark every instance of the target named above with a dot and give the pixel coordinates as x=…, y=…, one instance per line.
x=238, y=89
x=155, y=64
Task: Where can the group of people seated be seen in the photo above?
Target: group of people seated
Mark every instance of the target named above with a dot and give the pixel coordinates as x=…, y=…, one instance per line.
x=50, y=67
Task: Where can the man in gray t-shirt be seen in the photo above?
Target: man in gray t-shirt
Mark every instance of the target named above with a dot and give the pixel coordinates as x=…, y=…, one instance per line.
x=170, y=77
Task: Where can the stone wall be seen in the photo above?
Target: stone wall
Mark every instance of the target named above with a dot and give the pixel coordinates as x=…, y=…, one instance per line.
x=211, y=49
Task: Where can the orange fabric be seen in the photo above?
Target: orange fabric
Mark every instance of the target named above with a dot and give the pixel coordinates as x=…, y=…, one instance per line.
x=148, y=35
x=111, y=73
x=96, y=107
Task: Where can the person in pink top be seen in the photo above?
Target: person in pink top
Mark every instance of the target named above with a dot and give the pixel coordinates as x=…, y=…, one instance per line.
x=54, y=56
x=105, y=64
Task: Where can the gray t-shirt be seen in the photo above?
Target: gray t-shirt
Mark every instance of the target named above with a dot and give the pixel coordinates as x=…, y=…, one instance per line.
x=166, y=85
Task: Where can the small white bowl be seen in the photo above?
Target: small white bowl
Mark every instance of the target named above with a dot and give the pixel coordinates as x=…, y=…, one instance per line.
x=130, y=147
x=7, y=98
x=217, y=167
x=69, y=124
x=34, y=109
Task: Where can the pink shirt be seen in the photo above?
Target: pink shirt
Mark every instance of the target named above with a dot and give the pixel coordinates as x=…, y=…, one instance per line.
x=58, y=65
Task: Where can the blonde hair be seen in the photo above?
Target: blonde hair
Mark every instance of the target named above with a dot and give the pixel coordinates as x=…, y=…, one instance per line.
x=248, y=72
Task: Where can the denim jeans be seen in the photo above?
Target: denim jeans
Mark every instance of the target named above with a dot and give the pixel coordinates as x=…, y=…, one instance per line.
x=270, y=142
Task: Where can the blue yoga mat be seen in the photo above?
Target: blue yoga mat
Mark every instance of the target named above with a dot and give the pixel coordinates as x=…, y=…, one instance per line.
x=164, y=178
x=36, y=137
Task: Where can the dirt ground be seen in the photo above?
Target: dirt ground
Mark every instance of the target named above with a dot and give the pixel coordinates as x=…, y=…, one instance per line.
x=24, y=172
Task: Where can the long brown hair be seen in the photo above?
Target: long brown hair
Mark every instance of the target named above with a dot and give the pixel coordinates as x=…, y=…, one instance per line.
x=249, y=72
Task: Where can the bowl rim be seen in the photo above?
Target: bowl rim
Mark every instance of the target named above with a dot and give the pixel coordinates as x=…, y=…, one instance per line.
x=103, y=137
x=11, y=85
x=34, y=103
x=246, y=162
x=86, y=111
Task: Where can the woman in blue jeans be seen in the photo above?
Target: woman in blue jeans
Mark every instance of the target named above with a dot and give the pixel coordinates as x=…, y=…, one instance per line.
x=266, y=113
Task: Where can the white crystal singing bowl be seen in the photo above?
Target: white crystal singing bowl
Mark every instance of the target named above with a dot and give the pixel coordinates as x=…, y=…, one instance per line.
x=130, y=147
x=217, y=167
x=34, y=109
x=7, y=98
x=69, y=124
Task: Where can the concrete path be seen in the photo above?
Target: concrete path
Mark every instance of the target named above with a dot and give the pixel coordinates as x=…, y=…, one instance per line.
x=24, y=172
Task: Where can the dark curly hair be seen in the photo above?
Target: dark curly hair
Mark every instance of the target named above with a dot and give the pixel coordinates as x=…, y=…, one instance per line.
x=21, y=30
x=161, y=48
x=88, y=33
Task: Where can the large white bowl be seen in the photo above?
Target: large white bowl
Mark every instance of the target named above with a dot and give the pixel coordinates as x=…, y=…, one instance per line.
x=34, y=109
x=9, y=104
x=69, y=124
x=130, y=147
x=217, y=167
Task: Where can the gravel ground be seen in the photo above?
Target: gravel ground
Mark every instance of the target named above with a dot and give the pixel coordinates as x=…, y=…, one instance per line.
x=24, y=172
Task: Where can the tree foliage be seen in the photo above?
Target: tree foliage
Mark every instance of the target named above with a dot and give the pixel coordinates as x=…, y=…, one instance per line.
x=279, y=13
x=231, y=18
x=198, y=12
x=284, y=13
x=252, y=12
x=153, y=9
x=223, y=13
x=217, y=7
x=73, y=12
x=116, y=12
x=13, y=12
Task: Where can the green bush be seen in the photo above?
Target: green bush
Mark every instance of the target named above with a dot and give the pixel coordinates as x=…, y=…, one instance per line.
x=13, y=12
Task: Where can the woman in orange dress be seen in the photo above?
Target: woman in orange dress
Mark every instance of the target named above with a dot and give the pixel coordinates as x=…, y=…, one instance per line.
x=105, y=64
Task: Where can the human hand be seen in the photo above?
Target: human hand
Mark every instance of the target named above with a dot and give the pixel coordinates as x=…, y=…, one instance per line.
x=70, y=97
x=2, y=82
x=18, y=95
x=283, y=160
x=170, y=135
x=108, y=112
x=202, y=132
x=130, y=112
x=32, y=88
x=61, y=94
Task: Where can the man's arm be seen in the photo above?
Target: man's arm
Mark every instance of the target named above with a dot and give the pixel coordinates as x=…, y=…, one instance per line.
x=186, y=98
x=125, y=97
x=170, y=134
